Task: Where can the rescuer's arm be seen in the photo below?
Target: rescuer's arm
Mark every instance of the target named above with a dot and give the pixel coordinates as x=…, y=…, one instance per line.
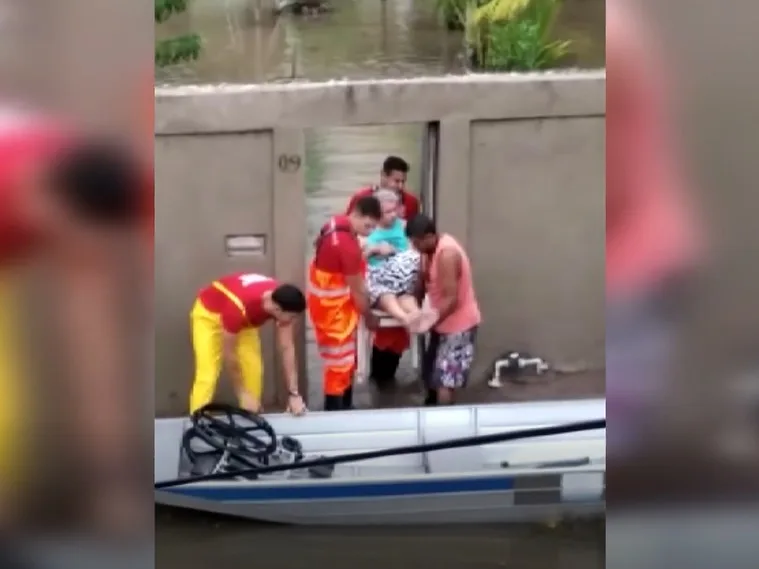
x=286, y=341
x=358, y=292
x=420, y=287
x=361, y=298
x=449, y=267
x=352, y=263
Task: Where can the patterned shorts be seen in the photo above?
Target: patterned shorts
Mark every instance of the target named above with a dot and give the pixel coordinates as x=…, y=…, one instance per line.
x=396, y=275
x=448, y=359
x=639, y=345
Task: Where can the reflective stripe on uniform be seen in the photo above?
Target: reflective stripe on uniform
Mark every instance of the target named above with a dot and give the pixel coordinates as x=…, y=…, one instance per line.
x=335, y=320
x=348, y=360
x=337, y=351
x=231, y=296
x=348, y=343
x=328, y=293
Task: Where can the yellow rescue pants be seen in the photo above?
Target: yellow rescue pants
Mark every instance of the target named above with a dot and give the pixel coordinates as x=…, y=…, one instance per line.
x=207, y=345
x=11, y=400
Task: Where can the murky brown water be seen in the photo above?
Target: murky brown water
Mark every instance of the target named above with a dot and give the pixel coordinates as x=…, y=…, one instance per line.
x=189, y=542
x=364, y=38
x=358, y=39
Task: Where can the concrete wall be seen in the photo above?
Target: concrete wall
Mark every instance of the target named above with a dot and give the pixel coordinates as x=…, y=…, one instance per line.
x=520, y=181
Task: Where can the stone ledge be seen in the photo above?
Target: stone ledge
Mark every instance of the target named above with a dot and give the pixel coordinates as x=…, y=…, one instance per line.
x=242, y=108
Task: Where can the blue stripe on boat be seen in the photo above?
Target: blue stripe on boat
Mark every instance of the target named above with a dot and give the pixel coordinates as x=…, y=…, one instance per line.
x=326, y=490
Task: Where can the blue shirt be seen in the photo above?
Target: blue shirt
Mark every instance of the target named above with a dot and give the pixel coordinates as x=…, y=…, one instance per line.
x=395, y=236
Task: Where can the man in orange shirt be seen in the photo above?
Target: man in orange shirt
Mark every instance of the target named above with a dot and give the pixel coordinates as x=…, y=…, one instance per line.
x=390, y=343
x=453, y=315
x=652, y=239
x=225, y=321
x=337, y=297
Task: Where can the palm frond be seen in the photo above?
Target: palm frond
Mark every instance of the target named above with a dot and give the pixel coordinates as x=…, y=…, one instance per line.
x=499, y=11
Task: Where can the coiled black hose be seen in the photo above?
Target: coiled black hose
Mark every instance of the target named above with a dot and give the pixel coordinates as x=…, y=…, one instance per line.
x=412, y=449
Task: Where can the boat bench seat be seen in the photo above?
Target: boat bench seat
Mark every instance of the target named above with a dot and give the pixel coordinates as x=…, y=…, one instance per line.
x=465, y=459
x=332, y=434
x=444, y=424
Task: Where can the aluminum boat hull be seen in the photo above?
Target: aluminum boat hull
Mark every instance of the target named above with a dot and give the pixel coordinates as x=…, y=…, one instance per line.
x=506, y=482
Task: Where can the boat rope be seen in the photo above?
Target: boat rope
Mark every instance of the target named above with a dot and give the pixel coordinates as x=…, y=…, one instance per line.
x=397, y=451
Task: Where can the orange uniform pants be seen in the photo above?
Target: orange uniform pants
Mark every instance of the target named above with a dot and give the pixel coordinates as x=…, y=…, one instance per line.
x=337, y=349
x=338, y=363
x=207, y=344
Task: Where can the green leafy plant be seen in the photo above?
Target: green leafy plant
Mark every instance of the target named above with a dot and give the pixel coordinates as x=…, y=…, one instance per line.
x=498, y=11
x=515, y=35
x=177, y=49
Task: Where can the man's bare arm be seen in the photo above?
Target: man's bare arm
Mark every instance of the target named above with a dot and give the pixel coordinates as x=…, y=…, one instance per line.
x=420, y=286
x=286, y=341
x=359, y=293
x=449, y=269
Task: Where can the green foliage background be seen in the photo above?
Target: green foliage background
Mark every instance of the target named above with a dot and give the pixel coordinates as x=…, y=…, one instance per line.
x=178, y=49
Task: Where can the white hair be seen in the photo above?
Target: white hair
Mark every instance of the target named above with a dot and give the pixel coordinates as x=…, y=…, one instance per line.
x=387, y=195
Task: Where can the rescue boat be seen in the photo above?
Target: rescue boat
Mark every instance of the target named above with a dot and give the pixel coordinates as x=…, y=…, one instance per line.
x=276, y=468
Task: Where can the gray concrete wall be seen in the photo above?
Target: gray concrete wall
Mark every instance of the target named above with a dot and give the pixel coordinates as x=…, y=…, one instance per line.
x=520, y=181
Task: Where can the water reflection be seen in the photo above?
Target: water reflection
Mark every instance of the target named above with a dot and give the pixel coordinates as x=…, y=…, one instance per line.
x=203, y=542
x=358, y=39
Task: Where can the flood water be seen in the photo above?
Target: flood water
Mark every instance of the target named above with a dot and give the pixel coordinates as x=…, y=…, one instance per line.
x=360, y=39
x=202, y=542
x=357, y=39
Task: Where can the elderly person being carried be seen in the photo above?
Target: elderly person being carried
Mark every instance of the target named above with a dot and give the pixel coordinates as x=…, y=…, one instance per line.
x=393, y=264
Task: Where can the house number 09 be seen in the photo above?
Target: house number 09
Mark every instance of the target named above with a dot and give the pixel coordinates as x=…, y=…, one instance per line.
x=289, y=162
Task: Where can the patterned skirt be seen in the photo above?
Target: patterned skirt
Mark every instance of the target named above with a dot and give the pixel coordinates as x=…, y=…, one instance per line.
x=397, y=275
x=448, y=359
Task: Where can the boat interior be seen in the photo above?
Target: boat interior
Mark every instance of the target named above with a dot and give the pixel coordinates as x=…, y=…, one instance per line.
x=323, y=434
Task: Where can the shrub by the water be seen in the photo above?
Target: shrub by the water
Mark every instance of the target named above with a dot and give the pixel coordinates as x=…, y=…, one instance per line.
x=514, y=35
x=178, y=49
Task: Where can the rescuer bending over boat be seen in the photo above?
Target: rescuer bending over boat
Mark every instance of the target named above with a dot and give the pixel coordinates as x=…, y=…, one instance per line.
x=225, y=321
x=393, y=264
x=338, y=298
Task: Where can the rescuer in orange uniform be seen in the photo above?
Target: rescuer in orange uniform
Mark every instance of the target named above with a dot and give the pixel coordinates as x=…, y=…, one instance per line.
x=225, y=321
x=337, y=297
x=390, y=343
